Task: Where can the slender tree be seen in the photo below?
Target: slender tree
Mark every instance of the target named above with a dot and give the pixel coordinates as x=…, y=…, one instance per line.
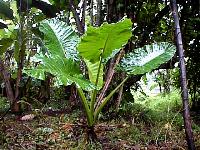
x=21, y=55
x=79, y=25
x=186, y=112
x=91, y=12
x=99, y=7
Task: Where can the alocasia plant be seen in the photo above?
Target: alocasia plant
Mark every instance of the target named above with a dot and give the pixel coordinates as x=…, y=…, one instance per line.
x=96, y=46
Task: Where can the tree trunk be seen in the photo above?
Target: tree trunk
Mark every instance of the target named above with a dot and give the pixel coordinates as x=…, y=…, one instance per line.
x=92, y=13
x=20, y=63
x=44, y=93
x=98, y=18
x=119, y=98
x=186, y=112
x=6, y=79
x=80, y=28
x=83, y=14
x=74, y=98
x=110, y=11
x=120, y=93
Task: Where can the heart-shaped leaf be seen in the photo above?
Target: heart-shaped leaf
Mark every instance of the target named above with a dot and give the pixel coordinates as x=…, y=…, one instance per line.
x=147, y=58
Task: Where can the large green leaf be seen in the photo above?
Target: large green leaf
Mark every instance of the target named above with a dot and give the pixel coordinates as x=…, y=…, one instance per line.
x=59, y=38
x=147, y=58
x=103, y=40
x=60, y=41
x=93, y=69
x=66, y=71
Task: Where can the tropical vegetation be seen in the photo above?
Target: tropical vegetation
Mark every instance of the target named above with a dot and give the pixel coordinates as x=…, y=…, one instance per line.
x=98, y=61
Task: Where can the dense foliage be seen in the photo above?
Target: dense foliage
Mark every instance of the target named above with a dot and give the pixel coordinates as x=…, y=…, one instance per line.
x=92, y=54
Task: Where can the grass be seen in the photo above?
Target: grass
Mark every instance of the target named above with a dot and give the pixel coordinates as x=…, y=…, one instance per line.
x=150, y=123
x=163, y=108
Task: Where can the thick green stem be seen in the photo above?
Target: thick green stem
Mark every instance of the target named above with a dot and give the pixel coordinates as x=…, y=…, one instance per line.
x=106, y=99
x=94, y=94
x=89, y=115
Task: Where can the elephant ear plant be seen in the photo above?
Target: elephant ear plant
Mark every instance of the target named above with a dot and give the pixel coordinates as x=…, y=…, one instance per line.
x=95, y=48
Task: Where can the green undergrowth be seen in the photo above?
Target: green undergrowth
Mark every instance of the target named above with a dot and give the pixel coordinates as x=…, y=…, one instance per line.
x=150, y=123
x=153, y=110
x=4, y=104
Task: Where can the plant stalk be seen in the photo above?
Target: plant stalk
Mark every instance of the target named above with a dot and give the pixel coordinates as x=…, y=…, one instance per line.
x=94, y=94
x=110, y=74
x=106, y=99
x=86, y=107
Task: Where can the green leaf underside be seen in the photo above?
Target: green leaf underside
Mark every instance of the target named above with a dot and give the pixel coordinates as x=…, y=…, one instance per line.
x=59, y=38
x=108, y=37
x=147, y=58
x=93, y=71
x=65, y=71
